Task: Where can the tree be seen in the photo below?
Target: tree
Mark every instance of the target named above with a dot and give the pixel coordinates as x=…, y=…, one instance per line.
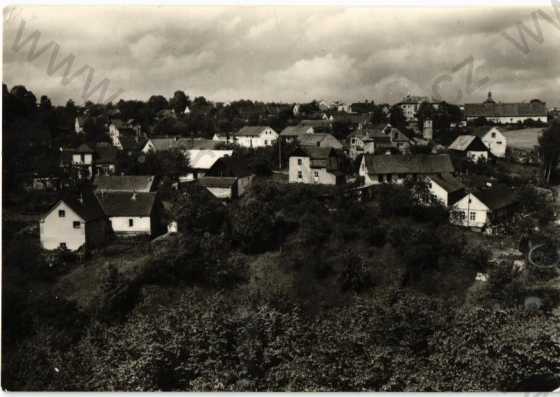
x=397, y=118
x=157, y=103
x=45, y=104
x=179, y=102
x=549, y=149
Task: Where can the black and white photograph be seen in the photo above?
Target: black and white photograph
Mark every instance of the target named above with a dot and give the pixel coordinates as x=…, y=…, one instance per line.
x=284, y=197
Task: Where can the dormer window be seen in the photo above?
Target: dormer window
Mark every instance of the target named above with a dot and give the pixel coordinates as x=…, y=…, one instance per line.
x=61, y=213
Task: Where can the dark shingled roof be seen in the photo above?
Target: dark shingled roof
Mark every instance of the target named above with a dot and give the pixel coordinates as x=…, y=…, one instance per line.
x=409, y=164
x=320, y=157
x=465, y=143
x=497, y=197
x=229, y=167
x=250, y=131
x=217, y=181
x=448, y=182
x=126, y=203
x=84, y=204
x=295, y=130
x=124, y=183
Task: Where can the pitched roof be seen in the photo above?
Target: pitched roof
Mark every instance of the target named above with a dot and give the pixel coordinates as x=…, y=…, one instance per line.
x=161, y=144
x=202, y=159
x=354, y=118
x=319, y=156
x=490, y=109
x=124, y=183
x=116, y=204
x=409, y=164
x=217, y=181
x=83, y=148
x=467, y=142
x=196, y=143
x=84, y=204
x=251, y=131
x=449, y=183
x=230, y=167
x=314, y=139
x=295, y=130
x=316, y=123
x=497, y=197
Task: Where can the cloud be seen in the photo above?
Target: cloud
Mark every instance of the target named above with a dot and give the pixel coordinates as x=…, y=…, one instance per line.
x=287, y=53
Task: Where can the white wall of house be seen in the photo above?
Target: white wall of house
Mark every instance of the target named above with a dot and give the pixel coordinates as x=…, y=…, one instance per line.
x=512, y=120
x=477, y=155
x=496, y=142
x=140, y=225
x=220, y=192
x=469, y=212
x=300, y=171
x=439, y=192
x=82, y=158
x=266, y=138
x=55, y=229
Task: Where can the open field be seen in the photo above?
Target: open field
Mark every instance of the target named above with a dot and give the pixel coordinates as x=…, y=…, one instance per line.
x=525, y=139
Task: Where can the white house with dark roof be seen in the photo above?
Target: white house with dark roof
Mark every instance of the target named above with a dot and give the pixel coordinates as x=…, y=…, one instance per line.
x=315, y=165
x=470, y=147
x=376, y=169
x=202, y=160
x=79, y=160
x=254, y=137
x=484, y=208
x=291, y=133
x=72, y=222
x=507, y=113
x=493, y=139
x=446, y=188
x=131, y=213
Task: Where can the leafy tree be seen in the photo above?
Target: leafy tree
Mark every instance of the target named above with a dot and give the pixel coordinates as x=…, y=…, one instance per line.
x=157, y=103
x=179, y=102
x=549, y=148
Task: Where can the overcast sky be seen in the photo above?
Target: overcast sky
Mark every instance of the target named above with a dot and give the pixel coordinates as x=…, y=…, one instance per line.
x=286, y=54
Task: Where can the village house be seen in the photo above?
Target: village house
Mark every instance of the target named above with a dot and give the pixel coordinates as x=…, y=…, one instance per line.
x=217, y=179
x=74, y=221
x=484, y=208
x=120, y=131
x=79, y=123
x=254, y=137
x=379, y=139
x=315, y=165
x=105, y=159
x=291, y=133
x=376, y=169
x=131, y=213
x=493, y=139
x=323, y=125
x=201, y=161
x=410, y=105
x=319, y=140
x=78, y=161
x=469, y=147
x=507, y=113
x=356, y=121
x=125, y=183
x=446, y=188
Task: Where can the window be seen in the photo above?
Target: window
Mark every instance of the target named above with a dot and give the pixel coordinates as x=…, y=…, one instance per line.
x=380, y=178
x=299, y=161
x=316, y=173
x=462, y=215
x=472, y=216
x=499, y=142
x=83, y=157
x=62, y=246
x=130, y=222
x=299, y=175
x=265, y=142
x=389, y=177
x=76, y=224
x=61, y=213
x=493, y=135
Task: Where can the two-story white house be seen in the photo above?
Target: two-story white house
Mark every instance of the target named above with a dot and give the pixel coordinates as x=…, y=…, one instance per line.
x=74, y=221
x=315, y=165
x=254, y=137
x=78, y=161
